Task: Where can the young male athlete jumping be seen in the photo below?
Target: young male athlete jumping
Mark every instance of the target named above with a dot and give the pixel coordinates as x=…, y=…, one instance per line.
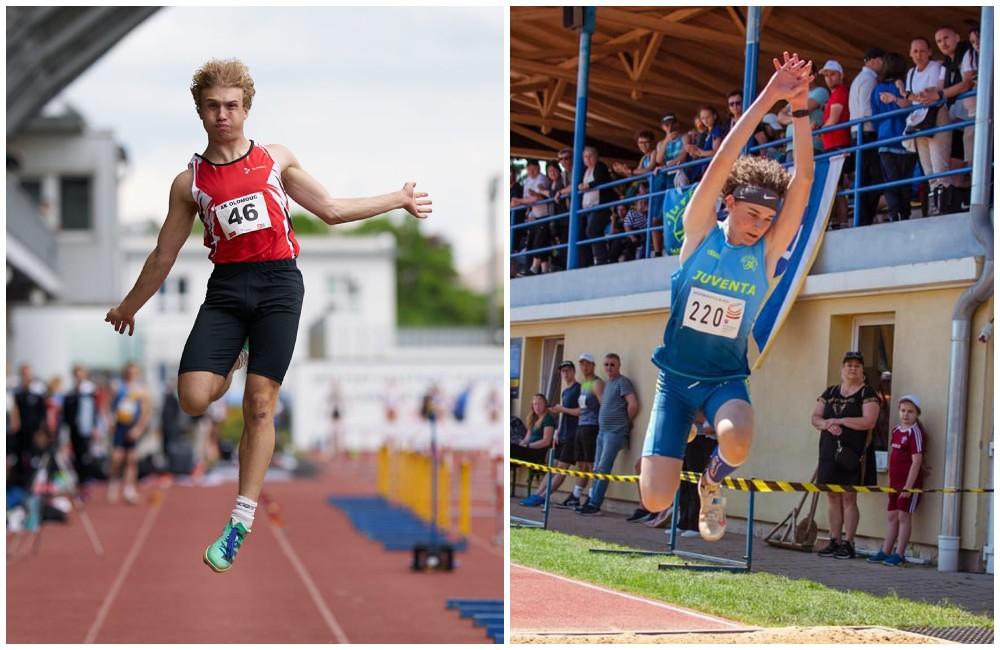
x=240, y=190
x=725, y=269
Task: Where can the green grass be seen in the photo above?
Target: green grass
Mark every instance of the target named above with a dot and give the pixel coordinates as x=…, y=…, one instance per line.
x=760, y=599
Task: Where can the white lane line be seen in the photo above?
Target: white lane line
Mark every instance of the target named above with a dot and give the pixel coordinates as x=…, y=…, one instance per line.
x=681, y=610
x=331, y=622
x=140, y=538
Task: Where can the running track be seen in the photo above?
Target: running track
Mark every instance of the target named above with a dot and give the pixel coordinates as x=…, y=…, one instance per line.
x=312, y=580
x=546, y=603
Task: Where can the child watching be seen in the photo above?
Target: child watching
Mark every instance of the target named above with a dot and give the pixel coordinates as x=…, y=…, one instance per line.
x=905, y=458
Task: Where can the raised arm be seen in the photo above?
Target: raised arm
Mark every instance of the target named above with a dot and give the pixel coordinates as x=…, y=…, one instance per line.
x=699, y=216
x=174, y=232
x=796, y=198
x=311, y=195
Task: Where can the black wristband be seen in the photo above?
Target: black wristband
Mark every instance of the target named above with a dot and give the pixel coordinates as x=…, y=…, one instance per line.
x=802, y=112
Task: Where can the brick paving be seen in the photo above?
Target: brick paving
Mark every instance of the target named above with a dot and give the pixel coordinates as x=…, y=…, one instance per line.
x=971, y=591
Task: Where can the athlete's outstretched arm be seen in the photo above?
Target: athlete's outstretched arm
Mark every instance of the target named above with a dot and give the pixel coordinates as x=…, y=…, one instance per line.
x=311, y=195
x=699, y=216
x=174, y=232
x=793, y=207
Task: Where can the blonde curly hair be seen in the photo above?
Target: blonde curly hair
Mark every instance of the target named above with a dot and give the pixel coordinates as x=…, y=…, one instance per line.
x=222, y=73
x=761, y=172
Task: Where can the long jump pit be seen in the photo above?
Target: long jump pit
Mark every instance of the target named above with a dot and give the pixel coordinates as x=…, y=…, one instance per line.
x=548, y=608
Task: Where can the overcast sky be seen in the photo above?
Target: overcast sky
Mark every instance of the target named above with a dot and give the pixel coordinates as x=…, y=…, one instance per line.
x=367, y=98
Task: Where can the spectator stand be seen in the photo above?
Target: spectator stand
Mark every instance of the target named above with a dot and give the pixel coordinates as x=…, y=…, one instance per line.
x=487, y=614
x=755, y=18
x=854, y=192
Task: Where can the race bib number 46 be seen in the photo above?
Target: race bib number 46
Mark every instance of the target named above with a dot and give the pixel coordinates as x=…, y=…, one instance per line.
x=713, y=313
x=243, y=215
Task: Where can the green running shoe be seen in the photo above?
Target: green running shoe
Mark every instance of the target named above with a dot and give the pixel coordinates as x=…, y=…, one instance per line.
x=221, y=553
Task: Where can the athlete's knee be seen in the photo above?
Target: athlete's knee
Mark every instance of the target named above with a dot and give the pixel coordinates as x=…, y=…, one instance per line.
x=192, y=403
x=657, y=501
x=258, y=406
x=735, y=439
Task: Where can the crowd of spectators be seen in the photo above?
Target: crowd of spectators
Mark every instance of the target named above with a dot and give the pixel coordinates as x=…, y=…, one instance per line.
x=885, y=82
x=94, y=429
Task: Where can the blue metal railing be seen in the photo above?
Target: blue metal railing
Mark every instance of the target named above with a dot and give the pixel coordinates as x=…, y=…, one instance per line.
x=649, y=177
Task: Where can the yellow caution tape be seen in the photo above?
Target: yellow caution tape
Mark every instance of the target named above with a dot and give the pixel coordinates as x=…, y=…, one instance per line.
x=754, y=484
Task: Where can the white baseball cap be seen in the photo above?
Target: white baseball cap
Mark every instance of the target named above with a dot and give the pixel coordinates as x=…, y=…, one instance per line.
x=586, y=356
x=832, y=66
x=912, y=399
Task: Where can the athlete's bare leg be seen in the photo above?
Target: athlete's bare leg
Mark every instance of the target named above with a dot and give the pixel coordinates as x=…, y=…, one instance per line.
x=257, y=444
x=196, y=390
x=659, y=477
x=734, y=427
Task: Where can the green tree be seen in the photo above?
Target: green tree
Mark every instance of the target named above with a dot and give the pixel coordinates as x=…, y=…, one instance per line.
x=428, y=292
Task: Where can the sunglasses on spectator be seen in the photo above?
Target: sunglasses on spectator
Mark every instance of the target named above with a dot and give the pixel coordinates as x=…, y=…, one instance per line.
x=606, y=365
x=736, y=103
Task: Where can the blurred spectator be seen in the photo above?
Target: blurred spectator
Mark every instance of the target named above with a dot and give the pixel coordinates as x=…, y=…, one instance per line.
x=836, y=112
x=29, y=397
x=536, y=190
x=818, y=96
x=669, y=153
x=516, y=189
x=617, y=246
x=591, y=389
x=906, y=455
x=860, y=105
x=559, y=227
x=845, y=415
x=773, y=130
x=618, y=408
x=132, y=410
x=966, y=109
x=596, y=221
x=535, y=446
x=734, y=101
x=81, y=415
x=934, y=151
x=953, y=82
x=708, y=141
x=696, y=456
x=645, y=140
x=565, y=158
x=635, y=221
x=897, y=162
x=565, y=454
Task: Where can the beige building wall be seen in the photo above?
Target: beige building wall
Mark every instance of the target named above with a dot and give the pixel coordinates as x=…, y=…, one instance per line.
x=803, y=362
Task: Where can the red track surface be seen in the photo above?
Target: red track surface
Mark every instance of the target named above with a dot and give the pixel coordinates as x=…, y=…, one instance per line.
x=546, y=603
x=314, y=580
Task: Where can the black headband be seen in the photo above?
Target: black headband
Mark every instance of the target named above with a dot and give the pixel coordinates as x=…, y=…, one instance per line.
x=758, y=195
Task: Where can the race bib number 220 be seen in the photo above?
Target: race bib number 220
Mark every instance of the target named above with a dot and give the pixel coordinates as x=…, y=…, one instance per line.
x=245, y=214
x=713, y=313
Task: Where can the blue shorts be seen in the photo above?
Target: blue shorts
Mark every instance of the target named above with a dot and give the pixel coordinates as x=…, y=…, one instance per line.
x=678, y=400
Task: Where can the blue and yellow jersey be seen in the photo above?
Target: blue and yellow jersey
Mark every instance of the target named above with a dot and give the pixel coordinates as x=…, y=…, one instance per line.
x=715, y=297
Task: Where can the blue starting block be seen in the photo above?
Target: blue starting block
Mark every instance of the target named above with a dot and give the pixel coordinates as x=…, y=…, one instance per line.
x=487, y=614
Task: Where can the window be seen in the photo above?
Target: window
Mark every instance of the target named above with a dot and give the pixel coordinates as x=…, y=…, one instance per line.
x=551, y=382
x=343, y=294
x=172, y=296
x=75, y=203
x=33, y=188
x=873, y=337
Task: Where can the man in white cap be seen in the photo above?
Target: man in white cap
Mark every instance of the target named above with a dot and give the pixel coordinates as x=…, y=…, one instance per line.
x=591, y=389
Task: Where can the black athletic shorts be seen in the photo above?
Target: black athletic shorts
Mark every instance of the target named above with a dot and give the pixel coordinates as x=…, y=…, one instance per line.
x=566, y=451
x=586, y=443
x=259, y=300
x=121, y=439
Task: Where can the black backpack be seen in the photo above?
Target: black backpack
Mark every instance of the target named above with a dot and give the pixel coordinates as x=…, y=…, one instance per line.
x=517, y=430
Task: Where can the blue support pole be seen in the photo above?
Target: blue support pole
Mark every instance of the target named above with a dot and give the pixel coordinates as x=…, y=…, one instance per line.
x=752, y=57
x=580, y=132
x=857, y=175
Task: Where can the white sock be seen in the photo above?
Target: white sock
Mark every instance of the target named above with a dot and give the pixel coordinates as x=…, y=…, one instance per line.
x=577, y=491
x=244, y=511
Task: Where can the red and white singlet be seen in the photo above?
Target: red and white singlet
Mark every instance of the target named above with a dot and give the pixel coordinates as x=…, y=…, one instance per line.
x=244, y=208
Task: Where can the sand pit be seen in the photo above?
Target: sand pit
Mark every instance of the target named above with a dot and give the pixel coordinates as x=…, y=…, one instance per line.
x=769, y=635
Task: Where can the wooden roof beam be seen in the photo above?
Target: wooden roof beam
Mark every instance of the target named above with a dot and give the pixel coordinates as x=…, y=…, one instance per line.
x=672, y=29
x=741, y=26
